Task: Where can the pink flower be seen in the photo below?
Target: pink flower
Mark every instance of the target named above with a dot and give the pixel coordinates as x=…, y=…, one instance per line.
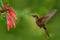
x=9, y=13
x=10, y=22
x=12, y=13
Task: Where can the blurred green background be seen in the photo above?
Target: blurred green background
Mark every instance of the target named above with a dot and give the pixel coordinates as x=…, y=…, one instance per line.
x=26, y=27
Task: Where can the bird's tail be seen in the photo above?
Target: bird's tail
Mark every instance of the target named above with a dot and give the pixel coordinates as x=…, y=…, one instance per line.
x=45, y=29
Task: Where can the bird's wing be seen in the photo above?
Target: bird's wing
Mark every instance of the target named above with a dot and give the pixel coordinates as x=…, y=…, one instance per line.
x=47, y=16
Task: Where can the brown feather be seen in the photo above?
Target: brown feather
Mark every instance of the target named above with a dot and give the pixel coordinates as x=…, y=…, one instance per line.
x=48, y=16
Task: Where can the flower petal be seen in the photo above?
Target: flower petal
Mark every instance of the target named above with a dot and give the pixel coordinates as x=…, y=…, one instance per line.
x=14, y=24
x=9, y=21
x=11, y=12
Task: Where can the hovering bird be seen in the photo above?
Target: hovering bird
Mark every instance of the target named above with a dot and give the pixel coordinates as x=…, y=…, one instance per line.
x=42, y=20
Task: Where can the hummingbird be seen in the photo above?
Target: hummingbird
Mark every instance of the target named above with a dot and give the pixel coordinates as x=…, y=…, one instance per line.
x=43, y=19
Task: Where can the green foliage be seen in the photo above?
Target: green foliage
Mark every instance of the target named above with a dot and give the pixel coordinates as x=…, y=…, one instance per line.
x=26, y=27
